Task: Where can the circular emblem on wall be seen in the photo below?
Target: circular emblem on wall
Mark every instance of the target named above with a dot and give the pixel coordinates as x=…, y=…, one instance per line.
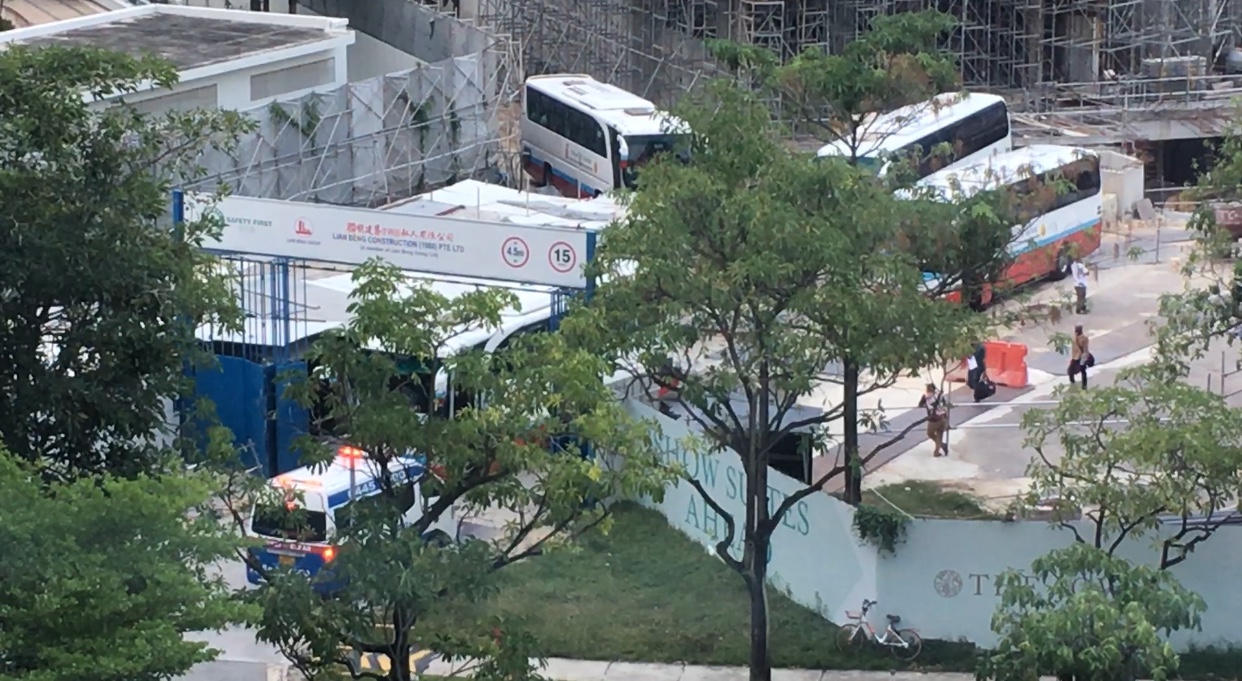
x=947, y=583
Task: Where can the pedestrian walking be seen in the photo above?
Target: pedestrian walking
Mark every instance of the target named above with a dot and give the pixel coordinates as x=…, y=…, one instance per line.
x=1081, y=358
x=937, y=418
x=975, y=365
x=1079, y=271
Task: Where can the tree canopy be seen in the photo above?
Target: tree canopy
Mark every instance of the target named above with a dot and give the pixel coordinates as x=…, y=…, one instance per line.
x=508, y=458
x=1084, y=614
x=1142, y=457
x=1151, y=460
x=747, y=275
x=100, y=578
x=101, y=297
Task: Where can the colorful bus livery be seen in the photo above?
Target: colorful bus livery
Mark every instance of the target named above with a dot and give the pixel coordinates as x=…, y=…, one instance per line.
x=300, y=523
x=1058, y=190
x=976, y=126
x=586, y=138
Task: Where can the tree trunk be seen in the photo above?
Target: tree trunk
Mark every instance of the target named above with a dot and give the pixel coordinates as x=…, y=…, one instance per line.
x=755, y=553
x=400, y=669
x=853, y=467
x=760, y=663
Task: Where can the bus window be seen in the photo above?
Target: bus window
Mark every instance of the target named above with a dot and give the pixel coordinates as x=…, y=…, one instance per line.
x=974, y=127
x=642, y=149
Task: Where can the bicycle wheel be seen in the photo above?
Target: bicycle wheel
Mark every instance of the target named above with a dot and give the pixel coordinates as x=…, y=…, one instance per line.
x=913, y=644
x=846, y=636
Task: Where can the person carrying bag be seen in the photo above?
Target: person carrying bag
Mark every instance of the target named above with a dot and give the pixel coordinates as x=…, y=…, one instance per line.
x=937, y=419
x=1081, y=358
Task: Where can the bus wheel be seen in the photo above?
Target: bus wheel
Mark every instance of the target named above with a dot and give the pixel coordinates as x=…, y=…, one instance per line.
x=438, y=538
x=1062, y=265
x=547, y=174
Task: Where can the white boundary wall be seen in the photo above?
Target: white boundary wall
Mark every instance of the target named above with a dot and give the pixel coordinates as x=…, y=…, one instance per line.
x=940, y=581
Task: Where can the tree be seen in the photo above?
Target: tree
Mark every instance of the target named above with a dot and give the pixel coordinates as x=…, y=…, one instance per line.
x=101, y=301
x=1143, y=455
x=1210, y=308
x=1147, y=458
x=102, y=577
x=517, y=452
x=737, y=279
x=896, y=67
x=1087, y=615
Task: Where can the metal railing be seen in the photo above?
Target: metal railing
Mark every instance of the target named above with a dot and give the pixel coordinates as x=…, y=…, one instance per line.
x=1130, y=96
x=1222, y=381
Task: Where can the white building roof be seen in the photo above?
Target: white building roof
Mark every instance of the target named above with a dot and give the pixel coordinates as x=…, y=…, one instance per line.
x=200, y=42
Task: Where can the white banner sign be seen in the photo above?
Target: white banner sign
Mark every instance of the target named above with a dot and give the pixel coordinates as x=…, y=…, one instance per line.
x=552, y=256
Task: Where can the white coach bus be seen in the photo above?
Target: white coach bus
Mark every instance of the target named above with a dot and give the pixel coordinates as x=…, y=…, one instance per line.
x=586, y=138
x=975, y=125
x=1059, y=190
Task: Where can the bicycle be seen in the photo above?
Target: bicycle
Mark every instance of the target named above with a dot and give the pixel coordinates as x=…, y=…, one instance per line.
x=905, y=643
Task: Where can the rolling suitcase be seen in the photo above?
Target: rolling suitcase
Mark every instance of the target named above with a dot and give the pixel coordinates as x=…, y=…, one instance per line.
x=984, y=388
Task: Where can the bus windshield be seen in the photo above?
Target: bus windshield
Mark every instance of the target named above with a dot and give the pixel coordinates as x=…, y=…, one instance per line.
x=642, y=148
x=871, y=164
x=277, y=522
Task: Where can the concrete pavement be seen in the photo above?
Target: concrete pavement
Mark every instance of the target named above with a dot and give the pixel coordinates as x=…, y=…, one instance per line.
x=558, y=669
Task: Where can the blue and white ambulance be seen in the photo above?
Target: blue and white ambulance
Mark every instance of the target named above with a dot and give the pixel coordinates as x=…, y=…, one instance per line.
x=319, y=499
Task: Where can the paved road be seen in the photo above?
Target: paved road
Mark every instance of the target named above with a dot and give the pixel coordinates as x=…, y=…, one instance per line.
x=986, y=442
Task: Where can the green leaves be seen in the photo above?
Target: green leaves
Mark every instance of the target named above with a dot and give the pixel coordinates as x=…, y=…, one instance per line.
x=494, y=477
x=101, y=297
x=896, y=63
x=1147, y=458
x=754, y=280
x=1128, y=455
x=101, y=578
x=1084, y=613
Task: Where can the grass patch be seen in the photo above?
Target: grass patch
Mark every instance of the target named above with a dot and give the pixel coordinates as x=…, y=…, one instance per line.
x=647, y=593
x=1211, y=664
x=923, y=499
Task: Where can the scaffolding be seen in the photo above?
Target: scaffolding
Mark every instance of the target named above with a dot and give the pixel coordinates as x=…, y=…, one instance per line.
x=381, y=139
x=655, y=48
x=1026, y=47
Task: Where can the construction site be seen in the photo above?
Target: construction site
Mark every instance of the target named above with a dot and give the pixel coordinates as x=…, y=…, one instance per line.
x=1153, y=77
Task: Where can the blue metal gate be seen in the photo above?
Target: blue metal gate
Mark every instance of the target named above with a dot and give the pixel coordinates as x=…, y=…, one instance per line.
x=254, y=367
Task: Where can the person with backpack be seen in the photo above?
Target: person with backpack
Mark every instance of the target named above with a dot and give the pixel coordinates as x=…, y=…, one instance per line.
x=937, y=419
x=977, y=374
x=1081, y=358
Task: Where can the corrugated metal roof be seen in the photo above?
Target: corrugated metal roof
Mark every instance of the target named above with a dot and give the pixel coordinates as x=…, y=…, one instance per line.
x=24, y=13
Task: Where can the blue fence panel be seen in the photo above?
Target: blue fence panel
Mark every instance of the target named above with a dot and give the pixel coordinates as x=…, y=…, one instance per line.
x=292, y=420
x=236, y=387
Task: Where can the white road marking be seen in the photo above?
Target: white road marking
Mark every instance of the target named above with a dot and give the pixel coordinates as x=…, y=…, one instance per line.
x=1046, y=383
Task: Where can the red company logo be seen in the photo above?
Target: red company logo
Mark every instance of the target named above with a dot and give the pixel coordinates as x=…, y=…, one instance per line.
x=304, y=227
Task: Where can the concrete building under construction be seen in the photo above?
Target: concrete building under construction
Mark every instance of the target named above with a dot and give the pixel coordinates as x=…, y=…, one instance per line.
x=1090, y=72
